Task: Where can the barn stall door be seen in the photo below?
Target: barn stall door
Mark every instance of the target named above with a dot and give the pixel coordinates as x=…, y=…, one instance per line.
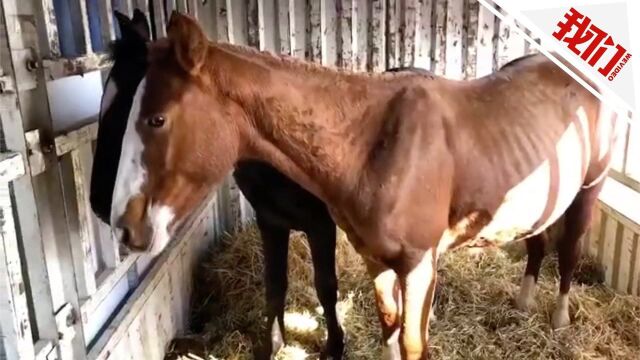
x=61, y=271
x=62, y=244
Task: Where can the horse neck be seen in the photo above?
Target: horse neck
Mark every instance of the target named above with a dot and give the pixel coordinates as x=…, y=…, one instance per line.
x=307, y=122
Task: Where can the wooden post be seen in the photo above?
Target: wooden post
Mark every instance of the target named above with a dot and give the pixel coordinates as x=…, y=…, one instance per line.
x=377, y=42
x=454, y=38
x=360, y=34
x=329, y=24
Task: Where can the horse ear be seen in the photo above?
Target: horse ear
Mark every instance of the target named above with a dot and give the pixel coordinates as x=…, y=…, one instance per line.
x=189, y=42
x=140, y=24
x=123, y=20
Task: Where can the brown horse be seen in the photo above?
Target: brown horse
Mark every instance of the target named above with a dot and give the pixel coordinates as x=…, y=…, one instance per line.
x=409, y=167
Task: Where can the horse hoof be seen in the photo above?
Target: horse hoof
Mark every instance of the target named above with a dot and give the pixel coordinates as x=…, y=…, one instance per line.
x=525, y=303
x=560, y=319
x=391, y=351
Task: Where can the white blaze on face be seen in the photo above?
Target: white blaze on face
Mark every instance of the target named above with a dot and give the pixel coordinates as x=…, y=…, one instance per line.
x=159, y=217
x=132, y=175
x=110, y=91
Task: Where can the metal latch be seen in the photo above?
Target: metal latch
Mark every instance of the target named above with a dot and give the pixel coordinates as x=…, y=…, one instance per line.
x=65, y=320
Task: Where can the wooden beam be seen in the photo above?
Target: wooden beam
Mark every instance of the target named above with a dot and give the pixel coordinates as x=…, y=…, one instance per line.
x=71, y=140
x=56, y=69
x=11, y=166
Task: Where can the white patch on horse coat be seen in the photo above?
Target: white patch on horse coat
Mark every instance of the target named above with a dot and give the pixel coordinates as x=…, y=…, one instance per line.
x=415, y=293
x=159, y=217
x=108, y=95
x=566, y=164
x=131, y=173
x=391, y=347
x=525, y=300
x=561, y=313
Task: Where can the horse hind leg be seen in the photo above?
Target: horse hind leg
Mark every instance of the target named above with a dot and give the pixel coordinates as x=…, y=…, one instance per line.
x=535, y=253
x=322, y=242
x=577, y=221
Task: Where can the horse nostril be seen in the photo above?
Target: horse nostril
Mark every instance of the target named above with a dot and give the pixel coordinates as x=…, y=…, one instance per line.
x=126, y=236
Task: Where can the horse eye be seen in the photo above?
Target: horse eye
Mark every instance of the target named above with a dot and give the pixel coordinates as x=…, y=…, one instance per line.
x=156, y=121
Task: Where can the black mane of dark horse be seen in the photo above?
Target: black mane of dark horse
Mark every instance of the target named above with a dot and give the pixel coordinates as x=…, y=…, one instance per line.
x=280, y=204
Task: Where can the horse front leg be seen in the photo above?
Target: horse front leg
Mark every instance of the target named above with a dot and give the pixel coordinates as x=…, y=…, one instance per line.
x=388, y=305
x=275, y=244
x=322, y=242
x=418, y=281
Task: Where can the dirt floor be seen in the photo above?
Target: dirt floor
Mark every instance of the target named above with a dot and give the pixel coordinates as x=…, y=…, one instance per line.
x=476, y=318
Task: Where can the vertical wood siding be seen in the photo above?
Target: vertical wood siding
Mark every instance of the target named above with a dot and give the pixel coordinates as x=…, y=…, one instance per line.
x=459, y=39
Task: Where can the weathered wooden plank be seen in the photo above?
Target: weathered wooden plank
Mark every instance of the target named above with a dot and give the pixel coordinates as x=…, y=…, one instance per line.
x=377, y=32
x=590, y=240
x=408, y=26
x=392, y=34
x=81, y=228
x=360, y=34
x=14, y=313
x=105, y=13
x=253, y=26
x=56, y=69
x=237, y=15
x=222, y=20
x=510, y=44
x=454, y=38
x=314, y=46
x=159, y=18
x=346, y=10
x=297, y=27
x=284, y=33
x=634, y=270
x=76, y=138
x=626, y=261
x=47, y=28
x=11, y=166
x=472, y=7
x=328, y=32
x=484, y=42
x=268, y=25
x=617, y=266
x=423, y=36
x=608, y=251
x=440, y=41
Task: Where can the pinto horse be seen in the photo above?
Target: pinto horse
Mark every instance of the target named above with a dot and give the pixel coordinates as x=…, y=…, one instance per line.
x=280, y=204
x=408, y=167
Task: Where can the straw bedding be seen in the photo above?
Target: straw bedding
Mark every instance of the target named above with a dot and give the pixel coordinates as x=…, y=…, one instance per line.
x=476, y=318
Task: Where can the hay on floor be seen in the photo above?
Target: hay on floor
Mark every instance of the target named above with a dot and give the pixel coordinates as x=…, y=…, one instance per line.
x=476, y=318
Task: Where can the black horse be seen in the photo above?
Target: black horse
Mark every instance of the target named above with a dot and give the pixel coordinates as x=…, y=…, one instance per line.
x=280, y=204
